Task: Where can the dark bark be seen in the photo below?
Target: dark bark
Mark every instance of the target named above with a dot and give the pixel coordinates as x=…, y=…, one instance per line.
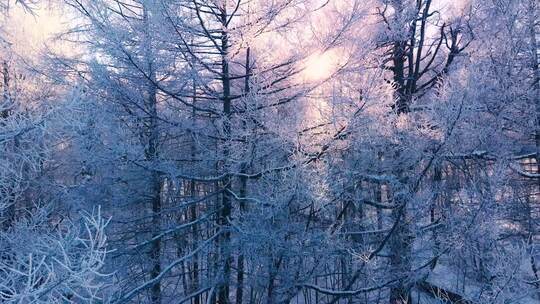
x=226, y=204
x=8, y=214
x=152, y=155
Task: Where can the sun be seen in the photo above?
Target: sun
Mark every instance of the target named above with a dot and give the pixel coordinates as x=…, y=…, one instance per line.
x=321, y=65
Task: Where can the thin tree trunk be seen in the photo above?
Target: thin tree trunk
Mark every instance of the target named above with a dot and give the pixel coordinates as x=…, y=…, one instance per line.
x=535, y=63
x=536, y=82
x=193, y=209
x=8, y=214
x=436, y=204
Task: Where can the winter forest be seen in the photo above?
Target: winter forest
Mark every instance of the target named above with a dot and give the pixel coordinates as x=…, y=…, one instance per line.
x=270, y=151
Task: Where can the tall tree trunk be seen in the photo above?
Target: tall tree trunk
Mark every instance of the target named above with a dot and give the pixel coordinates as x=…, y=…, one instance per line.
x=226, y=206
x=152, y=155
x=243, y=190
x=156, y=213
x=399, y=243
x=156, y=210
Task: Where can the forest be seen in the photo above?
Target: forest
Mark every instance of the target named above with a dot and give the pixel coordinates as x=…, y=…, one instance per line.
x=270, y=151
